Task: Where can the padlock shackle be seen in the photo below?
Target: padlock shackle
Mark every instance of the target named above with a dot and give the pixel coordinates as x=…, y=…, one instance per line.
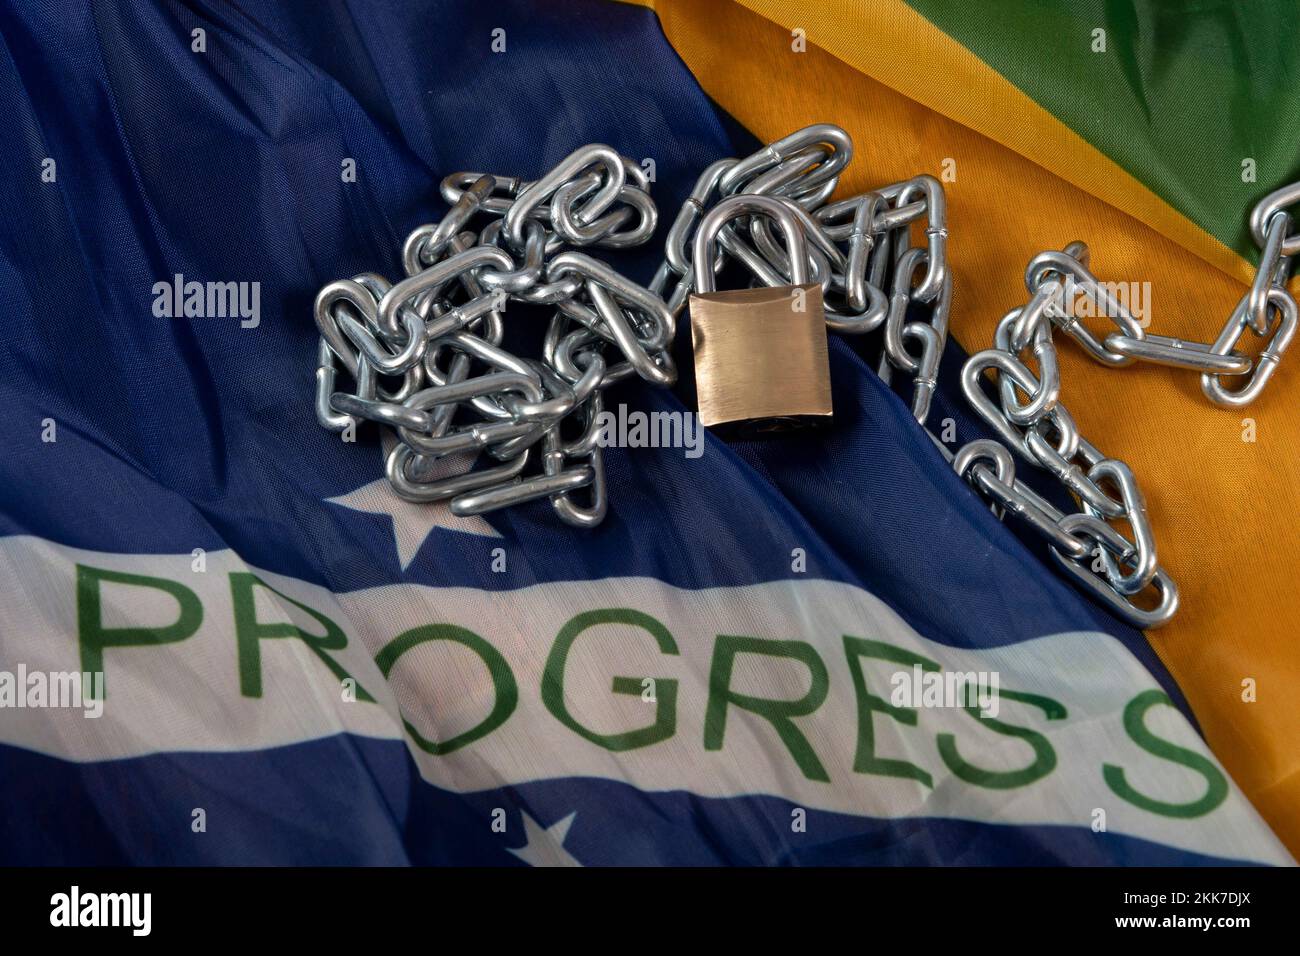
x=733, y=207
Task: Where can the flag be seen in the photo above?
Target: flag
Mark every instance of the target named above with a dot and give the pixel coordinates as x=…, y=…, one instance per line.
x=749, y=661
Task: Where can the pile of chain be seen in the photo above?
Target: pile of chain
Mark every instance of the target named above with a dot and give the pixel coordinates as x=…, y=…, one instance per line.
x=424, y=354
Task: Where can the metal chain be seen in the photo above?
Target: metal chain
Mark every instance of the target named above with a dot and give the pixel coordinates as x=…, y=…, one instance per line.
x=426, y=361
x=425, y=355
x=1041, y=432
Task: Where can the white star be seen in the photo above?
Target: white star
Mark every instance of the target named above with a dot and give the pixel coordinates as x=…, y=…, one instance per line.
x=412, y=522
x=545, y=846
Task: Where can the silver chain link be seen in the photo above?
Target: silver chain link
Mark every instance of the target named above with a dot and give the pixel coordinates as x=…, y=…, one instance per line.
x=425, y=356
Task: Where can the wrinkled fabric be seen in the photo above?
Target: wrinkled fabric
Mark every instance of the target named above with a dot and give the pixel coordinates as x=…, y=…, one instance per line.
x=195, y=437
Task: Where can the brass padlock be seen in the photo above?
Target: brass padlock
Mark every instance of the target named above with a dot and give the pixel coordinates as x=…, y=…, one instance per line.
x=760, y=354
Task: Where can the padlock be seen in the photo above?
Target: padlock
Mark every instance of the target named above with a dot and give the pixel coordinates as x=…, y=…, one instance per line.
x=761, y=361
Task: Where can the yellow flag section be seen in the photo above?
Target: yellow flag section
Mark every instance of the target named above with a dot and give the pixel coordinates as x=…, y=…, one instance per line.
x=1221, y=485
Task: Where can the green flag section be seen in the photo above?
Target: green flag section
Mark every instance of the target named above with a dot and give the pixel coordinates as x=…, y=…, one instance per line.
x=1198, y=102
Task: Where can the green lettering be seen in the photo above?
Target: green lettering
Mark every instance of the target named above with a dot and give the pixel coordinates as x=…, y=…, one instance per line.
x=1044, y=761
x=250, y=632
x=665, y=721
x=93, y=637
x=1216, y=790
x=505, y=690
x=865, y=760
x=778, y=713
